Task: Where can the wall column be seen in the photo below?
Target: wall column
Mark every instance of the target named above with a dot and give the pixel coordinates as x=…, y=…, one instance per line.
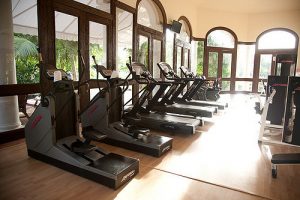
x=9, y=111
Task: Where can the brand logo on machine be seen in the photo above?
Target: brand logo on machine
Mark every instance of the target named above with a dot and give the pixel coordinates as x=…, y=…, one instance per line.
x=128, y=176
x=166, y=149
x=36, y=120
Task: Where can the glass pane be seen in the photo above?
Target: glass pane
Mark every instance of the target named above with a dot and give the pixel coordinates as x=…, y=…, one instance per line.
x=156, y=58
x=169, y=46
x=178, y=60
x=265, y=65
x=124, y=26
x=194, y=56
x=220, y=38
x=66, y=43
x=243, y=86
x=184, y=33
x=150, y=15
x=143, y=50
x=200, y=57
x=245, y=61
x=186, y=58
x=226, y=65
x=98, y=43
x=26, y=41
x=213, y=64
x=93, y=92
x=278, y=39
x=103, y=5
x=225, y=85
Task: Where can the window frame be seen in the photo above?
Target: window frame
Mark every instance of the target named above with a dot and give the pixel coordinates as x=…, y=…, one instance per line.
x=274, y=52
x=220, y=51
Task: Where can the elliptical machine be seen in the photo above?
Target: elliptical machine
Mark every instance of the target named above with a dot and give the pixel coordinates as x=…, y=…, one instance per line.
x=52, y=137
x=119, y=133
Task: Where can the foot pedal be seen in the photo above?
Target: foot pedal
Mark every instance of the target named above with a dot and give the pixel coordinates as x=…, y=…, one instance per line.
x=90, y=133
x=82, y=148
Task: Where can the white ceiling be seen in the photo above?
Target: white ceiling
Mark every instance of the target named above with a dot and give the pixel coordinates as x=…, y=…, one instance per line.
x=248, y=6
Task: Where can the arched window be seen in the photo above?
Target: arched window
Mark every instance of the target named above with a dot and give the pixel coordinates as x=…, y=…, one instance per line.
x=184, y=32
x=150, y=19
x=276, y=54
x=149, y=15
x=220, y=38
x=183, y=46
x=277, y=39
x=220, y=56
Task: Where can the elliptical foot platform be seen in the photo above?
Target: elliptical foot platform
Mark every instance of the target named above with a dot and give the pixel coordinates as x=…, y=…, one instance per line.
x=155, y=145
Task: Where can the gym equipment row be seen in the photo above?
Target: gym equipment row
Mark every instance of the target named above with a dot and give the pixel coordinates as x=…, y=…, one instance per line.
x=53, y=131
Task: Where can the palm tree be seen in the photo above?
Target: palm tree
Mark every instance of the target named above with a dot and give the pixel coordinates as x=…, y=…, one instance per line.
x=24, y=48
x=26, y=59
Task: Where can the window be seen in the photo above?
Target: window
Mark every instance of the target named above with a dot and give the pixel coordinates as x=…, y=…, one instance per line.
x=184, y=32
x=103, y=5
x=277, y=39
x=124, y=26
x=274, y=47
x=265, y=65
x=213, y=64
x=25, y=27
x=149, y=15
x=156, y=58
x=220, y=38
x=178, y=61
x=226, y=65
x=225, y=85
x=150, y=19
x=97, y=47
x=220, y=55
x=245, y=61
x=243, y=86
x=169, y=46
x=66, y=43
x=197, y=57
x=143, y=50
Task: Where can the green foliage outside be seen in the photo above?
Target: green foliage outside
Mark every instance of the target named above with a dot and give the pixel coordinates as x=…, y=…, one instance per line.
x=225, y=85
x=143, y=54
x=122, y=60
x=213, y=62
x=67, y=56
x=200, y=57
x=26, y=58
x=97, y=51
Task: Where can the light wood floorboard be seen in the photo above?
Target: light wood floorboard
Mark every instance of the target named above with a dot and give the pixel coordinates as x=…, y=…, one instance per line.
x=223, y=160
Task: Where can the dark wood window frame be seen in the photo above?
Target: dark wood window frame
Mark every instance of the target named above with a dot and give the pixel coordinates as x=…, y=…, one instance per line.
x=118, y=4
x=151, y=34
x=183, y=45
x=274, y=52
x=220, y=51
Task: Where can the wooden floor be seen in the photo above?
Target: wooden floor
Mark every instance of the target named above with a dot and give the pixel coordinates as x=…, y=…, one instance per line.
x=223, y=160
